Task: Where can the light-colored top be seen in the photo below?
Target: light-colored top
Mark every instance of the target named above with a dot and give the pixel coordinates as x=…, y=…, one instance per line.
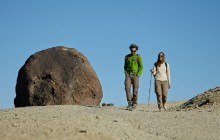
x=162, y=73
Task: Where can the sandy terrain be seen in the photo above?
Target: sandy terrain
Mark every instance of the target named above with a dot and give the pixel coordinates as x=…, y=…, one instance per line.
x=98, y=123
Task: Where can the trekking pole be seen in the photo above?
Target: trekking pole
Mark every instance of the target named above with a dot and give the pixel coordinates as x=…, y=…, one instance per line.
x=149, y=89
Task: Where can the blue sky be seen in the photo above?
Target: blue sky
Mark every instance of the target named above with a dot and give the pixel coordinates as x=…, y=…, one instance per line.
x=187, y=31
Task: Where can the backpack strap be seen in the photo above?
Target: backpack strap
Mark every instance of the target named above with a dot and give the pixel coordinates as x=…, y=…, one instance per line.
x=155, y=65
x=166, y=66
x=137, y=58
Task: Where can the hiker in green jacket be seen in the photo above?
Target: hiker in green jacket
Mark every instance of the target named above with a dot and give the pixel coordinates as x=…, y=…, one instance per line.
x=133, y=68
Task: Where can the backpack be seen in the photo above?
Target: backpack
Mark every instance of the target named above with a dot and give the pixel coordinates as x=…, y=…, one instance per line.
x=136, y=60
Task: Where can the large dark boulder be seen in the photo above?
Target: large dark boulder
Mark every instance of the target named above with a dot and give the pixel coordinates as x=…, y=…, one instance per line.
x=57, y=76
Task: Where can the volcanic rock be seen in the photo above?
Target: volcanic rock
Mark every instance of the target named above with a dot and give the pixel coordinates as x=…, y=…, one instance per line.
x=57, y=76
x=208, y=98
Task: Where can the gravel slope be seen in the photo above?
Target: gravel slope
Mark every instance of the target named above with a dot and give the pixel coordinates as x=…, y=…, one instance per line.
x=108, y=123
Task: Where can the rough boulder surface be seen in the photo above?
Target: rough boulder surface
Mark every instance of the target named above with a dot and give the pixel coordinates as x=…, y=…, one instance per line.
x=57, y=76
x=208, y=98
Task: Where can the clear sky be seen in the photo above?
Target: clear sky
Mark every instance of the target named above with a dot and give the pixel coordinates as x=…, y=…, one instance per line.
x=187, y=31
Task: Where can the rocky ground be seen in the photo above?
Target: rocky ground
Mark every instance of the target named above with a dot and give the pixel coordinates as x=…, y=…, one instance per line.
x=114, y=123
x=207, y=99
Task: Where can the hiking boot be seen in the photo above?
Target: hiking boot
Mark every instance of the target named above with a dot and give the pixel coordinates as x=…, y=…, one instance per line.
x=165, y=108
x=129, y=107
x=134, y=106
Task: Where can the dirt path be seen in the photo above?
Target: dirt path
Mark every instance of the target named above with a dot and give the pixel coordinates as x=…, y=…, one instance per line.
x=98, y=123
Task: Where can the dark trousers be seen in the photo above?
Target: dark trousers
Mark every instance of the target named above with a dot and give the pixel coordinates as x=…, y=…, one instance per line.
x=131, y=80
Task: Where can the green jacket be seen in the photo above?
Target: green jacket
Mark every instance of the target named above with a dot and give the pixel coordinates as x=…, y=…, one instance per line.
x=133, y=64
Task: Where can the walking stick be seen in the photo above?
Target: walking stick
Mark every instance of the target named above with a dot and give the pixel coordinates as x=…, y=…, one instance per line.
x=149, y=89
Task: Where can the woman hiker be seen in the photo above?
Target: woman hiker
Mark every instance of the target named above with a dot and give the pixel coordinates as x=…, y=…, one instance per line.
x=161, y=72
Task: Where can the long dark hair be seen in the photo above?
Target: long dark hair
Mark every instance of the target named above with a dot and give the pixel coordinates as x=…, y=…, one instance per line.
x=158, y=63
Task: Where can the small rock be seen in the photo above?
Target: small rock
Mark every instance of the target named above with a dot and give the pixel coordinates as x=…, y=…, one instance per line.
x=115, y=121
x=82, y=131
